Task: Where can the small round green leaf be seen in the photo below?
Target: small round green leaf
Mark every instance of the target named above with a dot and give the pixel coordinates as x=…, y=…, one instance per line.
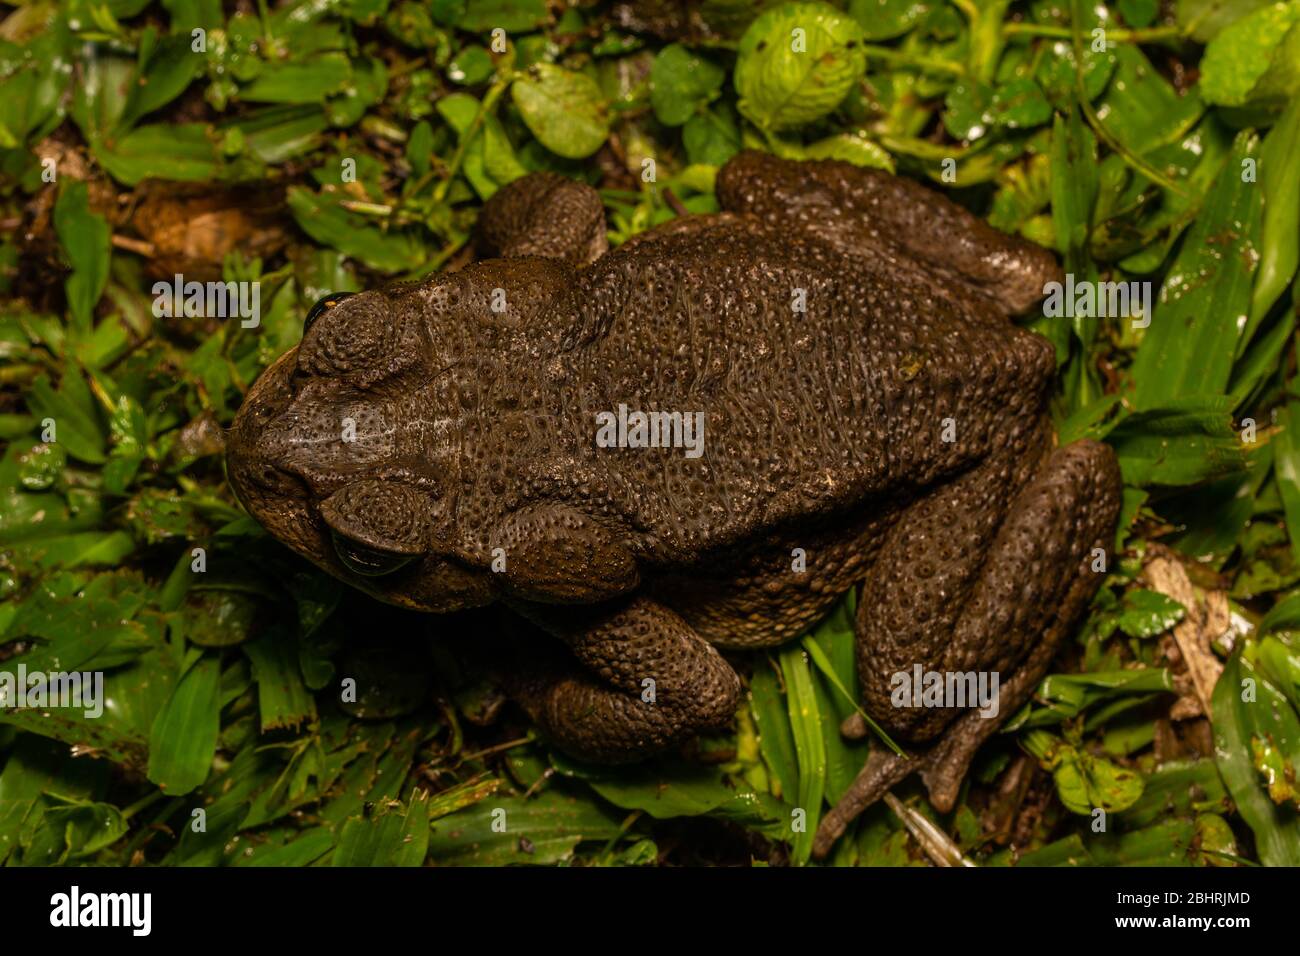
x=563, y=109
x=471, y=66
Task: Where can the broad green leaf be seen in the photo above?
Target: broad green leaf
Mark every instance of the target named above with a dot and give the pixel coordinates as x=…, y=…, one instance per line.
x=1205, y=298
x=85, y=827
x=852, y=149
x=1242, y=55
x=1068, y=695
x=278, y=133
x=1188, y=442
x=513, y=16
x=795, y=63
x=1206, y=19
x=1246, y=707
x=1141, y=108
x=541, y=830
x=1280, y=230
x=1282, y=616
x=1178, y=788
x=668, y=788
x=73, y=413
x=184, y=737
x=471, y=66
x=712, y=136
x=1084, y=781
x=1019, y=104
x=564, y=110
x=395, y=836
x=302, y=849
x=322, y=218
x=301, y=82
x=169, y=69
x=179, y=151
x=35, y=79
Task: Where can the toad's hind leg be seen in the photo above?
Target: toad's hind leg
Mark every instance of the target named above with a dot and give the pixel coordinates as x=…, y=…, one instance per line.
x=544, y=214
x=1029, y=587
x=863, y=211
x=647, y=681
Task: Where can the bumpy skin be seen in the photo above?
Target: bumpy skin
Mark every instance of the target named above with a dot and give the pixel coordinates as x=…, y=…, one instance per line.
x=866, y=399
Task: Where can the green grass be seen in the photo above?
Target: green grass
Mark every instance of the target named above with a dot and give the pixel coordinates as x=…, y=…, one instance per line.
x=329, y=147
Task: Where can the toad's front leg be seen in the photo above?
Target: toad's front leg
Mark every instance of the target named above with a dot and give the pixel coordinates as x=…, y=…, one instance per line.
x=646, y=683
x=955, y=598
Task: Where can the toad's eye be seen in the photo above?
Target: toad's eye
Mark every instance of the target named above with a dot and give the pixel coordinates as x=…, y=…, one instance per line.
x=346, y=333
x=323, y=305
x=368, y=562
x=377, y=526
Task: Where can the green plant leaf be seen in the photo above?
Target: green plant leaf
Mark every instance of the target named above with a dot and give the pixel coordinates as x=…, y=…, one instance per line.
x=1185, y=443
x=1263, y=714
x=395, y=836
x=1280, y=230
x=563, y=109
x=84, y=236
x=795, y=63
x=1244, y=53
x=1205, y=300
x=184, y=737
x=1148, y=613
x=681, y=82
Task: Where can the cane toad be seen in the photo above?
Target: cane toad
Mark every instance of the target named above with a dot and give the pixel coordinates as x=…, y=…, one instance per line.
x=702, y=439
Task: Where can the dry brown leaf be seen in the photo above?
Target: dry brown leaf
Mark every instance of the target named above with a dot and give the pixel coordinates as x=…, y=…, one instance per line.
x=1204, y=621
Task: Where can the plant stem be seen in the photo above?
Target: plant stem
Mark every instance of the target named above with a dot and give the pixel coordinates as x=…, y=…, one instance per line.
x=1145, y=35
x=489, y=103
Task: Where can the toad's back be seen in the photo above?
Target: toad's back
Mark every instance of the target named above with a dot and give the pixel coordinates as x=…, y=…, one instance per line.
x=823, y=383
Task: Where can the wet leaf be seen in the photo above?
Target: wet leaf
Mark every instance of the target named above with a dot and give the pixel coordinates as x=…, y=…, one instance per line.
x=795, y=63
x=1148, y=613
